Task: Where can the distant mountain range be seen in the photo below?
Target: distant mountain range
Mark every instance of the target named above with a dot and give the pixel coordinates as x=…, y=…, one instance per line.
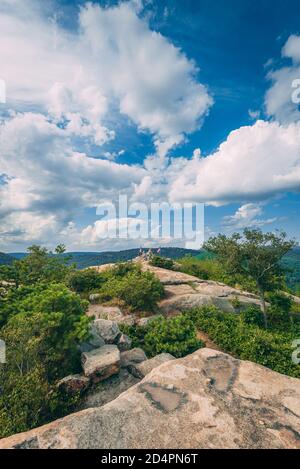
x=87, y=259
x=6, y=259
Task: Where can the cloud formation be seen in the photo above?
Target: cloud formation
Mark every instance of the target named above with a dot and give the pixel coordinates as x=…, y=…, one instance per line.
x=63, y=86
x=247, y=216
x=254, y=163
x=278, y=100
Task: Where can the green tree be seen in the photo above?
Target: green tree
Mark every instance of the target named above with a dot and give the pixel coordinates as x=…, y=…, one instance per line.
x=255, y=255
x=42, y=265
x=62, y=310
x=28, y=395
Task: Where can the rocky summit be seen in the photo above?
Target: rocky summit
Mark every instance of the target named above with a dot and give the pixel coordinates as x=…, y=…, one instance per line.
x=206, y=400
x=182, y=292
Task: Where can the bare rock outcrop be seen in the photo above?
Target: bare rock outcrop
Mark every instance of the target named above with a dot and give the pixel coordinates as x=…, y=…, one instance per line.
x=205, y=400
x=183, y=292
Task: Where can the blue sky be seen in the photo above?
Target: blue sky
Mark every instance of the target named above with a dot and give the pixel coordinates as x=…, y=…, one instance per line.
x=161, y=100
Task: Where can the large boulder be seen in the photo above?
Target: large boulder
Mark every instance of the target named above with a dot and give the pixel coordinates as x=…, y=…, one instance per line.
x=205, y=400
x=140, y=370
x=101, y=363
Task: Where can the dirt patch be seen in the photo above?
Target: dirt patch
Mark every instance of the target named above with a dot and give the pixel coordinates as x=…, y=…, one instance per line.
x=208, y=342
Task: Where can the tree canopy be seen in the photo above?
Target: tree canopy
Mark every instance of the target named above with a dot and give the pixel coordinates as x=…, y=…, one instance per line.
x=255, y=255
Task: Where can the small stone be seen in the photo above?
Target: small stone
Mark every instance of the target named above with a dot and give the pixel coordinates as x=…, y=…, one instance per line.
x=73, y=384
x=124, y=343
x=108, y=330
x=94, y=297
x=133, y=356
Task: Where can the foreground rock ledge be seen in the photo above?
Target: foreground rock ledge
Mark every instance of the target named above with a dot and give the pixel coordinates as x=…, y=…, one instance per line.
x=205, y=400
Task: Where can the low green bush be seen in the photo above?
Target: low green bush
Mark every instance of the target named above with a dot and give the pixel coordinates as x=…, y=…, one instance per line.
x=212, y=269
x=163, y=262
x=253, y=315
x=85, y=281
x=176, y=336
x=279, y=309
x=247, y=341
x=140, y=291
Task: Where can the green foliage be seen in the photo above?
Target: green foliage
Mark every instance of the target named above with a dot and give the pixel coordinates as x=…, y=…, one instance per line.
x=253, y=316
x=209, y=268
x=279, y=310
x=42, y=322
x=85, y=281
x=39, y=265
x=254, y=255
x=140, y=291
x=22, y=400
x=291, y=264
x=28, y=396
x=247, y=341
x=176, y=336
x=236, y=303
x=163, y=262
x=203, y=268
x=135, y=332
x=63, y=312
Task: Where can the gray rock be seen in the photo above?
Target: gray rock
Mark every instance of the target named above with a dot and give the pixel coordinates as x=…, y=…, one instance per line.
x=204, y=400
x=73, y=384
x=101, y=363
x=145, y=321
x=112, y=313
x=108, y=330
x=135, y=355
x=94, y=297
x=140, y=370
x=95, y=340
x=124, y=343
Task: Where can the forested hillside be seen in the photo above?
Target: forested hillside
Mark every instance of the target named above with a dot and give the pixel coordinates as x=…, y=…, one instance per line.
x=88, y=259
x=5, y=259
